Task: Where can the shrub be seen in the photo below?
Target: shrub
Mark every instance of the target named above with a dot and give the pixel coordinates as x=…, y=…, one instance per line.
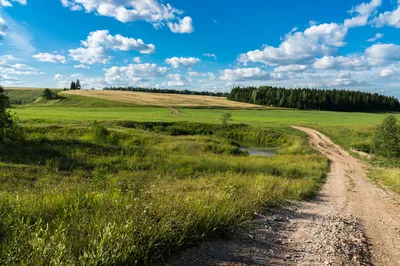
x=386, y=139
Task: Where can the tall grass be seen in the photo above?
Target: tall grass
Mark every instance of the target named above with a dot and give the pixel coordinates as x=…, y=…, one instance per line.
x=70, y=196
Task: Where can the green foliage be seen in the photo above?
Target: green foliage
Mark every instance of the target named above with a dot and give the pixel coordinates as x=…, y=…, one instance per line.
x=72, y=197
x=335, y=100
x=103, y=136
x=386, y=139
x=47, y=94
x=225, y=118
x=10, y=132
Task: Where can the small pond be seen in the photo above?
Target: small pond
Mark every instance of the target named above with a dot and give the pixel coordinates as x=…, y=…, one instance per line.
x=259, y=151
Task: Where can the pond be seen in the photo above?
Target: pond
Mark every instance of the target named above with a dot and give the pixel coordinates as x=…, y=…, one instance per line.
x=259, y=151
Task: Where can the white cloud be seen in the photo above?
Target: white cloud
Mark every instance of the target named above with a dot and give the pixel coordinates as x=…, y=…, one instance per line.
x=16, y=69
x=384, y=53
x=102, y=38
x=387, y=73
x=376, y=37
x=135, y=72
x=97, y=43
x=389, y=18
x=242, y=74
x=137, y=60
x=90, y=55
x=9, y=80
x=176, y=80
x=211, y=56
x=209, y=75
x=51, y=58
x=59, y=77
x=352, y=62
x=3, y=28
x=183, y=26
x=8, y=3
x=291, y=68
x=300, y=47
x=82, y=66
x=363, y=11
x=132, y=10
x=177, y=62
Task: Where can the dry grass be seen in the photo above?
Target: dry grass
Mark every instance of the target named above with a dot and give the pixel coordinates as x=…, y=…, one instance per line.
x=164, y=100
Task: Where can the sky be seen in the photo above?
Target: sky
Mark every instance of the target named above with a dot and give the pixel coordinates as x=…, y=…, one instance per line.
x=208, y=45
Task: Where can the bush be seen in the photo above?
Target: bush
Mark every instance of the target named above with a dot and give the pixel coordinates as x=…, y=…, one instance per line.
x=103, y=136
x=386, y=139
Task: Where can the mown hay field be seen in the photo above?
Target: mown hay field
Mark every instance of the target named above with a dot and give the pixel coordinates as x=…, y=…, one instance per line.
x=164, y=100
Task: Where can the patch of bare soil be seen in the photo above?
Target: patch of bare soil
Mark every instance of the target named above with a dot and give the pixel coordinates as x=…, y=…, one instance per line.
x=352, y=222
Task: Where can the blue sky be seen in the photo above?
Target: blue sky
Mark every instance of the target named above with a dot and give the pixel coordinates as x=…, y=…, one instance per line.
x=201, y=45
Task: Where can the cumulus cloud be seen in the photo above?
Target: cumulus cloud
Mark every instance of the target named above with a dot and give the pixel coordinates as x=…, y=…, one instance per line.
x=132, y=10
x=211, y=56
x=8, y=3
x=16, y=69
x=383, y=53
x=291, y=68
x=176, y=80
x=177, y=62
x=97, y=43
x=389, y=18
x=351, y=62
x=135, y=72
x=376, y=37
x=183, y=26
x=300, y=47
x=51, y=58
x=242, y=74
x=137, y=60
x=364, y=12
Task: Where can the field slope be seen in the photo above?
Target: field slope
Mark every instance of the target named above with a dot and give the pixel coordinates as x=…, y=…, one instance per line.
x=164, y=100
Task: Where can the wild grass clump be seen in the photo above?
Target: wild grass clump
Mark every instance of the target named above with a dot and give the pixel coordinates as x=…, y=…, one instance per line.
x=74, y=197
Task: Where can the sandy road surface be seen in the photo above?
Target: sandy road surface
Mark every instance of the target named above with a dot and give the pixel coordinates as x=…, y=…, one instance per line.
x=352, y=222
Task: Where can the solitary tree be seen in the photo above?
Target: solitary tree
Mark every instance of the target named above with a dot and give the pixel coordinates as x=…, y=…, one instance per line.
x=386, y=139
x=47, y=94
x=73, y=85
x=78, y=84
x=225, y=118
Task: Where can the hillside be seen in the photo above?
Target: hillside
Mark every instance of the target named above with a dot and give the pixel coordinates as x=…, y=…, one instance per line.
x=164, y=100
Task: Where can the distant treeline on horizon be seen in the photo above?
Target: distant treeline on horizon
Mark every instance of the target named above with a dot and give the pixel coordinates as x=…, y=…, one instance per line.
x=303, y=99
x=168, y=91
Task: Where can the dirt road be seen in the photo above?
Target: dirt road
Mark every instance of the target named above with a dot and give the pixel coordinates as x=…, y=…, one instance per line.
x=352, y=222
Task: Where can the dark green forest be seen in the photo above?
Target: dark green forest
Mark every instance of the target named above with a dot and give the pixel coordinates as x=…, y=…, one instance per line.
x=303, y=99
x=169, y=91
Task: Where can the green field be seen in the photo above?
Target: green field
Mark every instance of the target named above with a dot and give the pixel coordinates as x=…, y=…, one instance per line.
x=143, y=182
x=253, y=117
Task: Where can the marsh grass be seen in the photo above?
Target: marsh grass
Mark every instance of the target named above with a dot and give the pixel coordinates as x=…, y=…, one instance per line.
x=69, y=196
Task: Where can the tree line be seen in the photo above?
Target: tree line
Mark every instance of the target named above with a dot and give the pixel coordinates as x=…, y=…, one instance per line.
x=304, y=98
x=75, y=85
x=168, y=91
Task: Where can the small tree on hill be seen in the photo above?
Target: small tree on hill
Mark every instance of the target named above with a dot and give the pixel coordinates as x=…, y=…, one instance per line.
x=47, y=94
x=78, y=84
x=73, y=85
x=386, y=139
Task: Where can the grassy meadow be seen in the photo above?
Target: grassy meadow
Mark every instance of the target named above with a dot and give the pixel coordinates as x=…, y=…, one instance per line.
x=131, y=193
x=143, y=182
